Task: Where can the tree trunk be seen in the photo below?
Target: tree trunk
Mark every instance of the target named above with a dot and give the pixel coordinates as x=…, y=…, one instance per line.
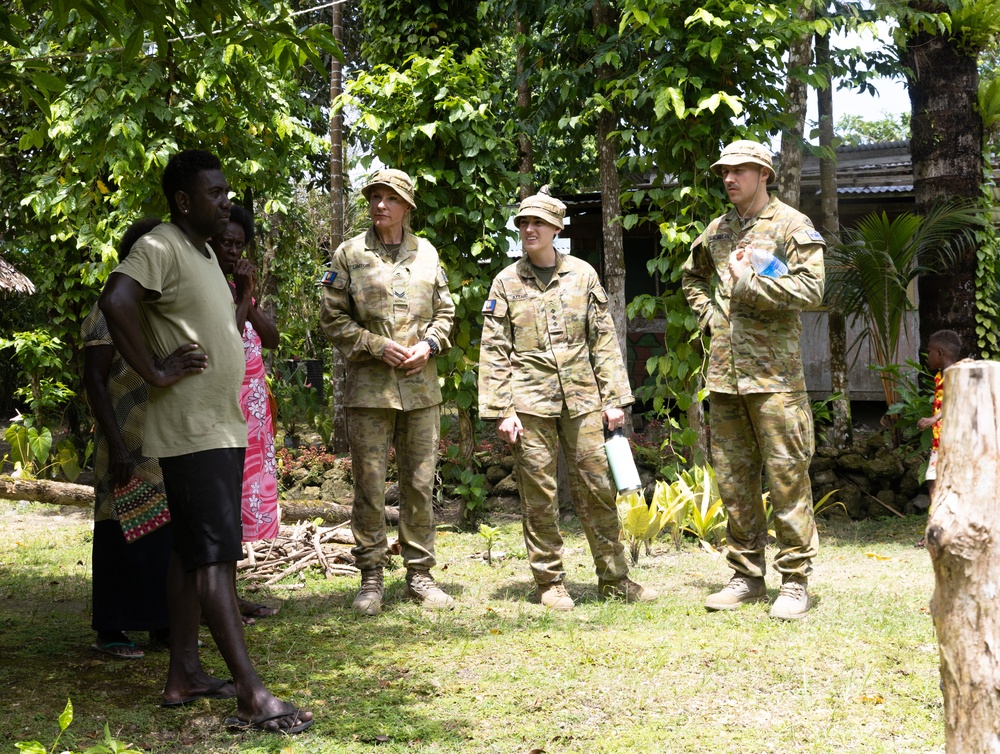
x=796, y=99
x=946, y=145
x=696, y=420
x=466, y=435
x=965, y=552
x=525, y=163
x=607, y=161
x=338, y=376
x=840, y=433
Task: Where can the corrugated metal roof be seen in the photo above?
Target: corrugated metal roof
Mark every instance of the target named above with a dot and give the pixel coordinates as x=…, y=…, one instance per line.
x=874, y=189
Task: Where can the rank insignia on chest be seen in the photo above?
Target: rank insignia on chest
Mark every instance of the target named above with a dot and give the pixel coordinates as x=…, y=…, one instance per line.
x=489, y=305
x=815, y=235
x=328, y=277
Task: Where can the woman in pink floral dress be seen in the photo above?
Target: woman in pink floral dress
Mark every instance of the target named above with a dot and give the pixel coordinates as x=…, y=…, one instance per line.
x=260, y=481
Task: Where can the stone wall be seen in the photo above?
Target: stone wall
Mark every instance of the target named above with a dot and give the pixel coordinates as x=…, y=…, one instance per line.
x=870, y=477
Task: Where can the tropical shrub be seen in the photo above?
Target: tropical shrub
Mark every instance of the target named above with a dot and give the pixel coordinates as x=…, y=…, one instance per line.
x=870, y=273
x=640, y=522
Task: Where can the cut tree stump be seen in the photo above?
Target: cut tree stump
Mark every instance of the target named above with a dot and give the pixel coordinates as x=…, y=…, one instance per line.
x=82, y=496
x=963, y=539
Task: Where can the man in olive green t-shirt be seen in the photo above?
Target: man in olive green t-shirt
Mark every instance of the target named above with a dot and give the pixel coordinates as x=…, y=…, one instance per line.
x=170, y=297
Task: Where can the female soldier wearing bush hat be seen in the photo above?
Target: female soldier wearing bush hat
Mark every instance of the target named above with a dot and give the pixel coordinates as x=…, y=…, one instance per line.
x=550, y=371
x=387, y=307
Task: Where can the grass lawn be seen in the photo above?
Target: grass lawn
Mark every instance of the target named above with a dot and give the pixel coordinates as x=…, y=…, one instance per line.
x=500, y=673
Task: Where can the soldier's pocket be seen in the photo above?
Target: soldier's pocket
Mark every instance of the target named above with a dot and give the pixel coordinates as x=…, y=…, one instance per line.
x=524, y=321
x=421, y=294
x=370, y=293
x=801, y=440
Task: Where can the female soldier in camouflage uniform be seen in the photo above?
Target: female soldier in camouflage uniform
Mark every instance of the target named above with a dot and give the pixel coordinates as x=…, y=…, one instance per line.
x=387, y=307
x=550, y=371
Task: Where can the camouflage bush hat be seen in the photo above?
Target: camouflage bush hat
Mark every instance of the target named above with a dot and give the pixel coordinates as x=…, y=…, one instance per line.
x=743, y=151
x=543, y=206
x=397, y=180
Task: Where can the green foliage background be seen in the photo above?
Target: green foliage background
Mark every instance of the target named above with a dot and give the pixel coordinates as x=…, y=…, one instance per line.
x=94, y=97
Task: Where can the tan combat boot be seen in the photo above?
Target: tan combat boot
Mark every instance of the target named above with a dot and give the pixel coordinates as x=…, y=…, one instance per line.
x=793, y=600
x=741, y=588
x=555, y=597
x=369, y=599
x=626, y=589
x=420, y=587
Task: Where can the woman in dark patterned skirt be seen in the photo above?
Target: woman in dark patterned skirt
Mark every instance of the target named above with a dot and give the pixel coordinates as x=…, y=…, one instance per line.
x=129, y=579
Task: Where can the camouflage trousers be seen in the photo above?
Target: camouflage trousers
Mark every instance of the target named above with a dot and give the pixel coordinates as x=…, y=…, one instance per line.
x=414, y=435
x=535, y=455
x=773, y=432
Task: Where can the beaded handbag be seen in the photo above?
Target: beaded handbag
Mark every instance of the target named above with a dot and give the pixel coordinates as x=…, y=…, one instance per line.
x=140, y=507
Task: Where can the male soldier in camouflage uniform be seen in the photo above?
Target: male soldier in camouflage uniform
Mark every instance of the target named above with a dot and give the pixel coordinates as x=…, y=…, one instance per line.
x=760, y=414
x=550, y=371
x=387, y=307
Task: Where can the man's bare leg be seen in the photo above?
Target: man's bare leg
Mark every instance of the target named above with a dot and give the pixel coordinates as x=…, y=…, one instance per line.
x=209, y=591
x=185, y=676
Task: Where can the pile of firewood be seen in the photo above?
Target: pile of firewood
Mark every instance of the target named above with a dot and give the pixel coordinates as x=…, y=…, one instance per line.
x=295, y=549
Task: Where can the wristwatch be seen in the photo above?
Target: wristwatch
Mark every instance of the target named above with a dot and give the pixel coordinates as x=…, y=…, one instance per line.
x=435, y=348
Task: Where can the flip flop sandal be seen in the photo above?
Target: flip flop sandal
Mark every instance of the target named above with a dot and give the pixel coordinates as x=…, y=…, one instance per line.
x=123, y=650
x=214, y=692
x=259, y=611
x=237, y=724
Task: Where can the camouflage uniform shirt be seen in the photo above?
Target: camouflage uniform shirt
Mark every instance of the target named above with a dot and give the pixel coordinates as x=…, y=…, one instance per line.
x=368, y=300
x=545, y=348
x=754, y=321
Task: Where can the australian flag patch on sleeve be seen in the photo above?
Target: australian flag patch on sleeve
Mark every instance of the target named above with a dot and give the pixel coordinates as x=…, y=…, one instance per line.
x=489, y=305
x=328, y=277
x=815, y=235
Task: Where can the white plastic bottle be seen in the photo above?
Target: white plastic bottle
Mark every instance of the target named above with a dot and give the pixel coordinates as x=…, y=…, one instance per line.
x=766, y=264
x=622, y=463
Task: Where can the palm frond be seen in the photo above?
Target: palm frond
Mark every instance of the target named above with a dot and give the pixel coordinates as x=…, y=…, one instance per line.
x=869, y=274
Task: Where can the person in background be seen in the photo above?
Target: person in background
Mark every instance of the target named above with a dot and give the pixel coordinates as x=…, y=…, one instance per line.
x=129, y=581
x=760, y=414
x=387, y=307
x=260, y=471
x=551, y=373
x=170, y=296
x=943, y=350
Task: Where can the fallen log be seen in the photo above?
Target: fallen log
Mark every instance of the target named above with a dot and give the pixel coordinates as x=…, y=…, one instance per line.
x=46, y=491
x=82, y=496
x=330, y=513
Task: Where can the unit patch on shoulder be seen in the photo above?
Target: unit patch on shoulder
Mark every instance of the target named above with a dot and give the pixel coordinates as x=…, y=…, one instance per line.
x=815, y=235
x=489, y=305
x=328, y=277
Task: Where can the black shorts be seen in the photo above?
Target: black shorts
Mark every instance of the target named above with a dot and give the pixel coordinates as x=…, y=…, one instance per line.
x=204, y=493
